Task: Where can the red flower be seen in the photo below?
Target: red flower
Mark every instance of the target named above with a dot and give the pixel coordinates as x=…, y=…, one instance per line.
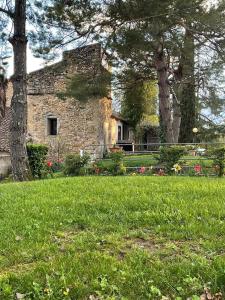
x=49, y=164
x=97, y=171
x=197, y=168
x=161, y=172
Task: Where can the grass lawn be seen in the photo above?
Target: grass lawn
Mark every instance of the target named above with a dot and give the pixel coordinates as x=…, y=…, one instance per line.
x=115, y=237
x=150, y=160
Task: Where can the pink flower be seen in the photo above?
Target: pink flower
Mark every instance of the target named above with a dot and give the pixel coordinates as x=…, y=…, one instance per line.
x=142, y=170
x=161, y=172
x=197, y=168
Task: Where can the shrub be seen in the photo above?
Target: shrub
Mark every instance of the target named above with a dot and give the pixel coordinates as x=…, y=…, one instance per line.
x=118, y=167
x=117, y=157
x=170, y=156
x=74, y=164
x=37, y=155
x=57, y=166
x=218, y=156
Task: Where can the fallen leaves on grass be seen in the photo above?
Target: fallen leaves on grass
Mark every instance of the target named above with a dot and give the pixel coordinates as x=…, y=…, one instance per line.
x=208, y=295
x=20, y=296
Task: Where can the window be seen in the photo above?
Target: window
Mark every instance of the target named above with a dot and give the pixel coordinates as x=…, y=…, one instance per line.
x=52, y=126
x=119, y=133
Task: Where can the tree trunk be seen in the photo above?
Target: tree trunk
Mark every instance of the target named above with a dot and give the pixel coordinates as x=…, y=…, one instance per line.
x=176, y=119
x=164, y=95
x=3, y=86
x=20, y=165
x=187, y=96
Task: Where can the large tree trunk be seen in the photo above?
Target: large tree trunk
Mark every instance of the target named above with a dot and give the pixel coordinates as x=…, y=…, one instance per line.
x=3, y=86
x=20, y=165
x=164, y=95
x=187, y=95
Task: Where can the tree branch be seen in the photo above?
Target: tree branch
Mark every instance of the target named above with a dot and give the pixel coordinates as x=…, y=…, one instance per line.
x=7, y=12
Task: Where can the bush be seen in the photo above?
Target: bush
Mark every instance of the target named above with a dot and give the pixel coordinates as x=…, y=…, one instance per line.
x=57, y=166
x=170, y=156
x=218, y=156
x=37, y=155
x=74, y=164
x=118, y=167
x=117, y=157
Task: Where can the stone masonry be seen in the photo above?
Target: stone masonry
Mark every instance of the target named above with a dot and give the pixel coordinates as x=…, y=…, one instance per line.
x=80, y=125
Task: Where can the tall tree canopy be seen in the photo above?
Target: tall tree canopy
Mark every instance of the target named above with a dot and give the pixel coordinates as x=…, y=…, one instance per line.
x=158, y=39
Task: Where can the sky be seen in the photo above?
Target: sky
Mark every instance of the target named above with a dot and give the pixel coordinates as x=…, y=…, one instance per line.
x=33, y=63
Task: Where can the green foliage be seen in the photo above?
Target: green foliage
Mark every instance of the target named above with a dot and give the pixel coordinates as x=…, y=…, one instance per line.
x=74, y=164
x=187, y=90
x=112, y=238
x=37, y=155
x=117, y=167
x=117, y=157
x=169, y=156
x=87, y=86
x=218, y=156
x=139, y=101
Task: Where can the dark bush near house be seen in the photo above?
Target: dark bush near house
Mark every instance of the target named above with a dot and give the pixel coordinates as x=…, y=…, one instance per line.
x=218, y=156
x=169, y=156
x=57, y=166
x=74, y=164
x=37, y=155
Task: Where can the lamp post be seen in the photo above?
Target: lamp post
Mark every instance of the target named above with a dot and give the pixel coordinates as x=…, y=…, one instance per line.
x=195, y=131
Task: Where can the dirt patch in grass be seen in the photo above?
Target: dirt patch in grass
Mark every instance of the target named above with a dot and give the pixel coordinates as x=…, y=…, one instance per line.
x=151, y=245
x=164, y=248
x=19, y=269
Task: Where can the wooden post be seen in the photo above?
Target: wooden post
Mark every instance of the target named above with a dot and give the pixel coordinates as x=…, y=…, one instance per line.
x=133, y=147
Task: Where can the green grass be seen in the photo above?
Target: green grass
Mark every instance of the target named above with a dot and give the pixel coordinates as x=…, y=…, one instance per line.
x=150, y=160
x=116, y=237
x=131, y=161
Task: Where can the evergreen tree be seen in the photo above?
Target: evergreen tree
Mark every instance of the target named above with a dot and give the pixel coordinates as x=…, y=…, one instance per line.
x=187, y=91
x=139, y=101
x=156, y=38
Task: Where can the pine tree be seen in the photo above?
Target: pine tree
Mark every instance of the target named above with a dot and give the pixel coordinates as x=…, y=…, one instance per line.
x=20, y=165
x=157, y=39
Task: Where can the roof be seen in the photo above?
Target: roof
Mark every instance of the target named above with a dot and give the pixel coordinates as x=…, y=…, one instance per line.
x=116, y=115
x=5, y=131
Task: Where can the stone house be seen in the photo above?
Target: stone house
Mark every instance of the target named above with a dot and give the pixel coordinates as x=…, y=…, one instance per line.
x=4, y=144
x=67, y=126
x=121, y=132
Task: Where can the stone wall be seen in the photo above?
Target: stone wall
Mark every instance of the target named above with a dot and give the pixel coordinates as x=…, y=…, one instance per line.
x=81, y=125
x=5, y=164
x=52, y=79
